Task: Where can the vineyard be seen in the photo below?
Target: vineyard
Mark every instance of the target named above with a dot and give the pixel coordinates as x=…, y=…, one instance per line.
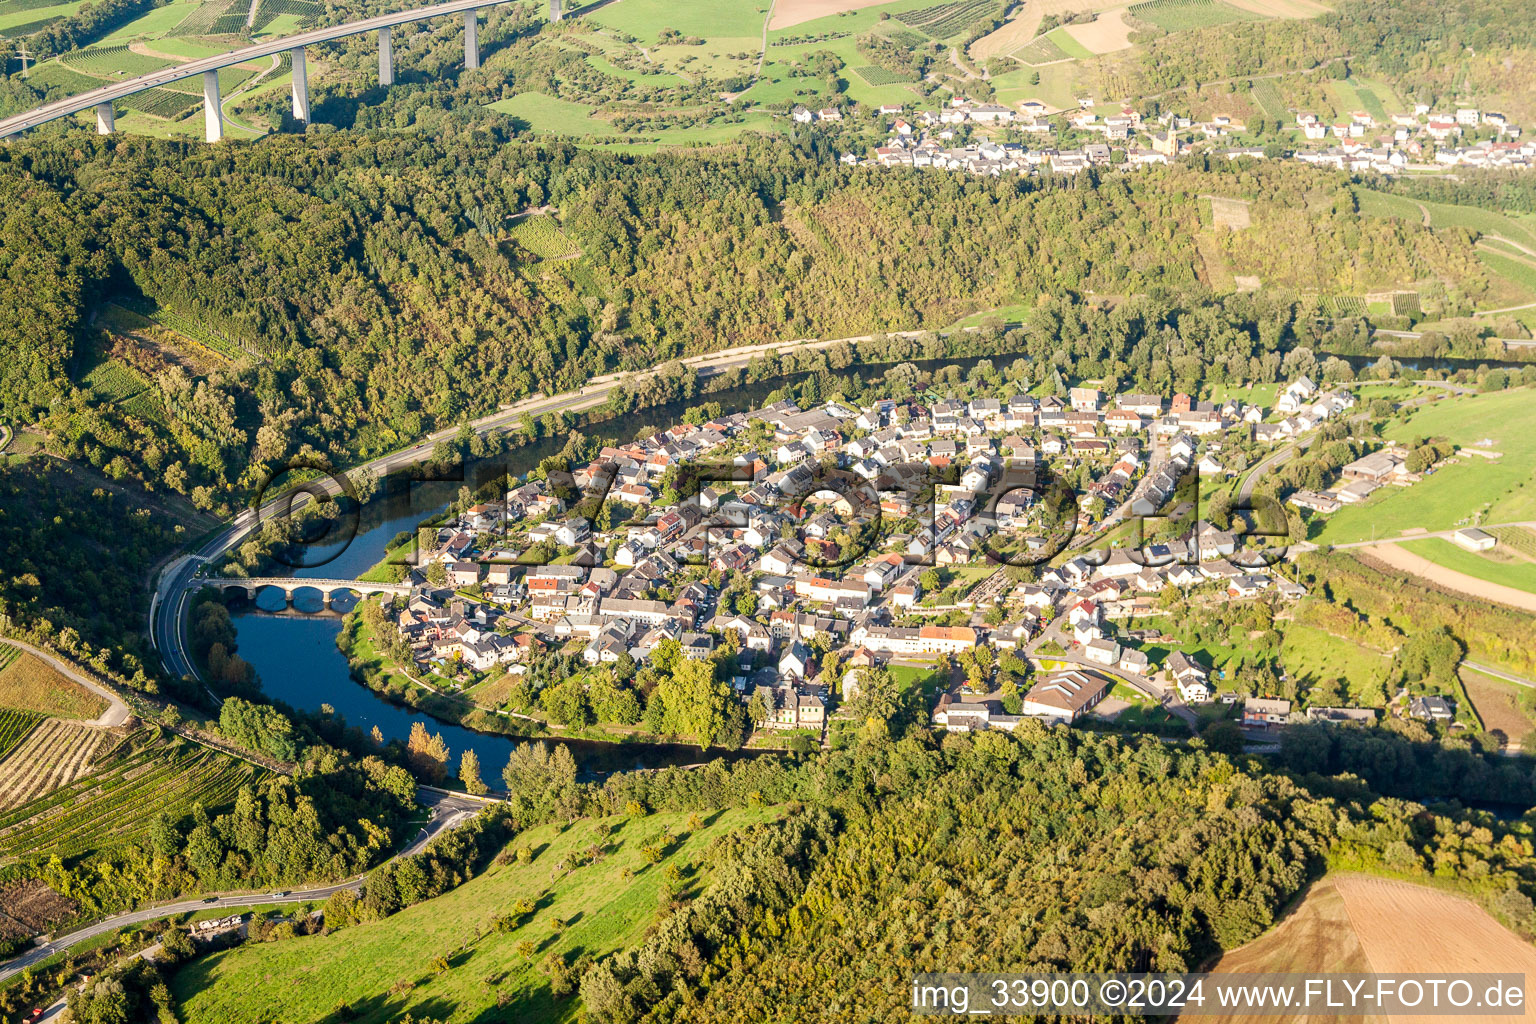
x=8, y=654
x=1041, y=51
x=54, y=754
x=54, y=74
x=202, y=19
x=142, y=779
x=1267, y=95
x=542, y=236
x=161, y=102
x=114, y=62
x=1180, y=15
x=229, y=80
x=1519, y=538
x=950, y=19
x=14, y=726
x=189, y=330
x=1344, y=305
x=114, y=380
x=873, y=74
x=306, y=11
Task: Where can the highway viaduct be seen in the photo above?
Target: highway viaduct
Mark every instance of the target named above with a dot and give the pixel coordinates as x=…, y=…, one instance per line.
x=102, y=99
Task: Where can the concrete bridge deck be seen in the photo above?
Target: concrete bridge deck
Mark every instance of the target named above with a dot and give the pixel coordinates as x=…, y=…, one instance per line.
x=102, y=99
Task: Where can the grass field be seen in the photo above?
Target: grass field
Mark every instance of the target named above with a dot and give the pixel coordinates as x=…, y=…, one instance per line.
x=1312, y=655
x=156, y=23
x=19, y=20
x=1508, y=570
x=1447, y=215
x=1501, y=489
x=1068, y=45
x=548, y=114
x=1516, y=270
x=588, y=907
x=31, y=684
x=1182, y=15
x=707, y=19
x=116, y=804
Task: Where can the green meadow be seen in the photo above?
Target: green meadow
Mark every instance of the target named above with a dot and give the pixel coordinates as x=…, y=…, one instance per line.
x=448, y=952
x=1500, y=489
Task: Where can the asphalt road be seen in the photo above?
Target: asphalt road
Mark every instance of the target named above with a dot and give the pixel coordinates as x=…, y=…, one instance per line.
x=449, y=810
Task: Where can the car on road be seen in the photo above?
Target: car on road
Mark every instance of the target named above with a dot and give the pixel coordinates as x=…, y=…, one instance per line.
x=36, y=1014
x=210, y=899
x=278, y=895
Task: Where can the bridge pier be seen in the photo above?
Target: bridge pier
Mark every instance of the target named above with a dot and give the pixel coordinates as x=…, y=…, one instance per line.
x=300, y=85
x=213, y=111
x=325, y=599
x=386, y=57
x=106, y=119
x=471, y=39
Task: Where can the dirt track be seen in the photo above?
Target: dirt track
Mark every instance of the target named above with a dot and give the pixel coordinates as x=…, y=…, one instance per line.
x=1399, y=558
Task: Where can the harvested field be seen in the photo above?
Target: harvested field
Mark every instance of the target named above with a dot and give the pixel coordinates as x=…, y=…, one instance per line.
x=1350, y=922
x=1395, y=556
x=54, y=754
x=1006, y=38
x=793, y=12
x=31, y=684
x=30, y=907
x=1104, y=34
x=1498, y=705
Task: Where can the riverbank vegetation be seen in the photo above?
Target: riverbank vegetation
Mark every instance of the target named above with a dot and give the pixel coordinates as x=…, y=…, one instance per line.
x=669, y=700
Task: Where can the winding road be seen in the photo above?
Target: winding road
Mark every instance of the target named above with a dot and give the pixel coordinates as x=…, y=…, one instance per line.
x=449, y=810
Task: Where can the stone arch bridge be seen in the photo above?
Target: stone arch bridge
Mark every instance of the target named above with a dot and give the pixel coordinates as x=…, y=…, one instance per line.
x=290, y=585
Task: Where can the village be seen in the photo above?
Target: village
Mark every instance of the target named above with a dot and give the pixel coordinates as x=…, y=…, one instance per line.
x=989, y=138
x=922, y=537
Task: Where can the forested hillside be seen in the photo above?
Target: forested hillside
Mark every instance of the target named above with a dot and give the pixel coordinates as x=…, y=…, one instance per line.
x=366, y=288
x=1427, y=50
